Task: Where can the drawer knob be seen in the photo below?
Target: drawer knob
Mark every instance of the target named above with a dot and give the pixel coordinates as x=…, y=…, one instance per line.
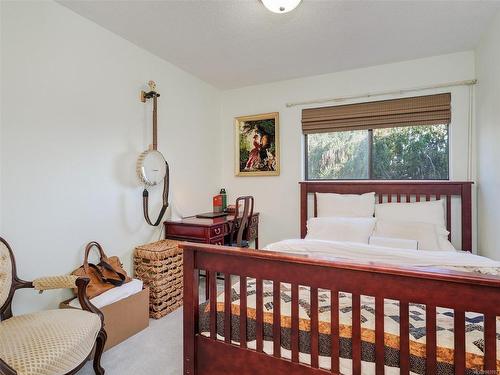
x=217, y=230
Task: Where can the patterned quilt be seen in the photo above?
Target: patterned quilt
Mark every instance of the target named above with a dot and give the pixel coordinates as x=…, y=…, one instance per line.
x=444, y=319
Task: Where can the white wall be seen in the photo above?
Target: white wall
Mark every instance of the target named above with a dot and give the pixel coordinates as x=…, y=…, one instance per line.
x=488, y=136
x=73, y=127
x=277, y=198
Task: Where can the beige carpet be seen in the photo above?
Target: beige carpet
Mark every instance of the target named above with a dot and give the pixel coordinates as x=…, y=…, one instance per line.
x=156, y=350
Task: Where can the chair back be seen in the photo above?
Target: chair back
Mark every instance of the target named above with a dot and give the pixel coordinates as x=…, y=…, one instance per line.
x=241, y=219
x=7, y=272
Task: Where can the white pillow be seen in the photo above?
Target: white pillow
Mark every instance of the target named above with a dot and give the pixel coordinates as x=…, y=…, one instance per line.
x=345, y=205
x=424, y=212
x=351, y=229
x=445, y=244
x=428, y=236
x=397, y=243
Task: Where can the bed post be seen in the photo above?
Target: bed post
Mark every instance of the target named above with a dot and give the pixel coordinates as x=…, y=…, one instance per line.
x=467, y=216
x=190, y=311
x=303, y=209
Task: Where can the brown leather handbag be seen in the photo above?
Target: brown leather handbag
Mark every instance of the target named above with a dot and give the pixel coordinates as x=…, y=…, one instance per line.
x=103, y=276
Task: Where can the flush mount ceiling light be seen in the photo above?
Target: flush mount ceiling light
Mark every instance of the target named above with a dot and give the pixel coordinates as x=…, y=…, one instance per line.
x=281, y=6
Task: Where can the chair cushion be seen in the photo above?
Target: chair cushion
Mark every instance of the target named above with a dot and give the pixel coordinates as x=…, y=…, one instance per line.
x=49, y=342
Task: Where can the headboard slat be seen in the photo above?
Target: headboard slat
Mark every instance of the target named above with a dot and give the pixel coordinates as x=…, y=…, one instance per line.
x=448, y=215
x=460, y=189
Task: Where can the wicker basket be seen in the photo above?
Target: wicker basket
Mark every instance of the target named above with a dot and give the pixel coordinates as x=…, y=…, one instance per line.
x=159, y=265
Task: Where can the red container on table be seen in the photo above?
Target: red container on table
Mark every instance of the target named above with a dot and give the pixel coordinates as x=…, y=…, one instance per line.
x=217, y=203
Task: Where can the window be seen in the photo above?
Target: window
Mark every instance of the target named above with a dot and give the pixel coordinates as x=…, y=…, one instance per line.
x=397, y=153
x=399, y=139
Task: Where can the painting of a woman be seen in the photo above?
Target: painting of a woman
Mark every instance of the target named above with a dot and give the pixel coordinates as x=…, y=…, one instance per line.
x=254, y=157
x=257, y=145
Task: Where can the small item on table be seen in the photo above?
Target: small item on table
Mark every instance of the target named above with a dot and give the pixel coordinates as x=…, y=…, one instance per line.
x=217, y=203
x=231, y=209
x=224, y=198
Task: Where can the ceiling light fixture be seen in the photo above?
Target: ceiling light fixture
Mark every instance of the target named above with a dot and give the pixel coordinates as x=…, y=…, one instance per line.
x=281, y=6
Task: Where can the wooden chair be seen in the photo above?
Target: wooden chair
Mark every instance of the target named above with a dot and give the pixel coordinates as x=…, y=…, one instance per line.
x=241, y=221
x=47, y=342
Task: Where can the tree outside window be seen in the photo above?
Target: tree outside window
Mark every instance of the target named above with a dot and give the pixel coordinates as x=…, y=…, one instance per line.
x=396, y=153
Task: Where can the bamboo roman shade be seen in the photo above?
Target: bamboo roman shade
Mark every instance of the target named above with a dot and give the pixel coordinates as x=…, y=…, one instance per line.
x=418, y=110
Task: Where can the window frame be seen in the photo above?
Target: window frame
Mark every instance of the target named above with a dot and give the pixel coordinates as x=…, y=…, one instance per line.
x=370, y=162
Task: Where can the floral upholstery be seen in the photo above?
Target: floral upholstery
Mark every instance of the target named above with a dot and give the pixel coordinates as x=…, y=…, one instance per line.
x=49, y=342
x=5, y=273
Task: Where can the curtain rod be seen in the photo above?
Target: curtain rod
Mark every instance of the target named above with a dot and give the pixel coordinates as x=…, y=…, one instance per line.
x=381, y=93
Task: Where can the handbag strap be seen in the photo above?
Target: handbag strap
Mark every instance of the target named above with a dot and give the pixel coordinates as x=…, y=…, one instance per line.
x=104, y=279
x=102, y=255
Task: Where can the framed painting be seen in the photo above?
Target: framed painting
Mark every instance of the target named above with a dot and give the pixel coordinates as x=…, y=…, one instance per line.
x=257, y=145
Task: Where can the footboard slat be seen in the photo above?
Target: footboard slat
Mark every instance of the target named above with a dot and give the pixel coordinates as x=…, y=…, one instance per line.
x=314, y=328
x=243, y=312
x=430, y=339
x=490, y=352
x=277, y=319
x=334, y=330
x=379, y=336
x=259, y=326
x=295, y=323
x=459, y=341
x=356, y=334
x=212, y=282
x=227, y=308
x=404, y=339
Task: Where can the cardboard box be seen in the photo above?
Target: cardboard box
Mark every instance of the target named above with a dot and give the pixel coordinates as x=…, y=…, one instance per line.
x=123, y=318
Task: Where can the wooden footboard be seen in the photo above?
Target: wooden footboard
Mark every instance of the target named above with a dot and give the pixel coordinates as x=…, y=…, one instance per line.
x=210, y=355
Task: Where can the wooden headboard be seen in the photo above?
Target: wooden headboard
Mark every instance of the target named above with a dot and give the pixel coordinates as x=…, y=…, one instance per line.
x=397, y=192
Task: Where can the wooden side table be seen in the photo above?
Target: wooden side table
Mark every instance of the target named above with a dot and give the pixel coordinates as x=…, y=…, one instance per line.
x=213, y=231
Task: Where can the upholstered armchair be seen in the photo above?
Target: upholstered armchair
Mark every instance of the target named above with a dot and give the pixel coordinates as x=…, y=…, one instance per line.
x=52, y=342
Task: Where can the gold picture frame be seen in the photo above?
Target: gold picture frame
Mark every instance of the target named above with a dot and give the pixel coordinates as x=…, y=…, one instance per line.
x=257, y=145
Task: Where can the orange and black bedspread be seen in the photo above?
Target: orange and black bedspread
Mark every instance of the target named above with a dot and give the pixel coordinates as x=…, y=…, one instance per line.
x=444, y=330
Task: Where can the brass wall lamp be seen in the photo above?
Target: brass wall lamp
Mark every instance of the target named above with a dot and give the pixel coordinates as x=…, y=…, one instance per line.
x=152, y=168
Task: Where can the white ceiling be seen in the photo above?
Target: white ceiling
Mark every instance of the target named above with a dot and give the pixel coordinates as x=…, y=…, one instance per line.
x=235, y=43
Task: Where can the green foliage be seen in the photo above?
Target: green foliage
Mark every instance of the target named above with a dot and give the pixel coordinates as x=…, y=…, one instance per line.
x=261, y=126
x=411, y=153
x=244, y=154
x=406, y=153
x=339, y=155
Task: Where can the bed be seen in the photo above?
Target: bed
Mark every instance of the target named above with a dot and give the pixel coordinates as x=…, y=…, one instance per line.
x=287, y=313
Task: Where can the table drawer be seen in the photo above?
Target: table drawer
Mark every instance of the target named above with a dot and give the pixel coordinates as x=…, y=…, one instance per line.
x=185, y=231
x=217, y=231
x=217, y=241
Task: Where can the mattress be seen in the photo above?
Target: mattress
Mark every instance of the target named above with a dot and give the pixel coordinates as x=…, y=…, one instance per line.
x=444, y=331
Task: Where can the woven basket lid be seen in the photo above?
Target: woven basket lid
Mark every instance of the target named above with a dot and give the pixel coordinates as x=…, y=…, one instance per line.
x=158, y=248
